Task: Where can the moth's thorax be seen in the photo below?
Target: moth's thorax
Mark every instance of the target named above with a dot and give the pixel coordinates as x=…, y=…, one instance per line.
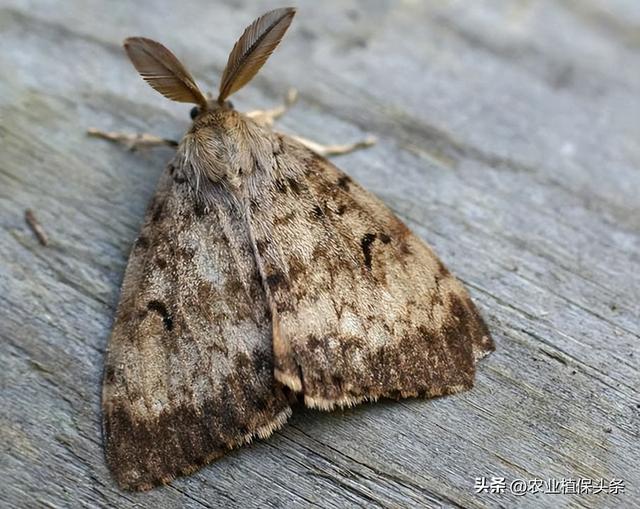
x=221, y=148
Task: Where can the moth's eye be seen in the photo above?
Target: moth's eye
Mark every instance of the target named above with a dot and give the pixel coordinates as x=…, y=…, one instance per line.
x=195, y=111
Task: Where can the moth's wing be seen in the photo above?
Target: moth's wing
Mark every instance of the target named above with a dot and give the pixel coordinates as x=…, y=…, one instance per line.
x=189, y=372
x=362, y=307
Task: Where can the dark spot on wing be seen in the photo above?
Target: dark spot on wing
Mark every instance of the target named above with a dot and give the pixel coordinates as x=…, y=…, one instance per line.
x=158, y=208
x=262, y=362
x=281, y=186
x=457, y=308
x=161, y=309
x=296, y=267
x=242, y=361
x=343, y=182
x=232, y=287
x=318, y=212
x=365, y=243
x=341, y=210
x=262, y=246
x=276, y=279
x=438, y=294
x=284, y=305
x=230, y=418
x=385, y=238
x=313, y=342
x=186, y=253
x=320, y=252
x=109, y=374
x=199, y=209
x=294, y=185
x=142, y=242
x=206, y=291
x=337, y=381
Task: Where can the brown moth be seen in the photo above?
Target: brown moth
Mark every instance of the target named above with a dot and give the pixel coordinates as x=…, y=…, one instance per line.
x=263, y=272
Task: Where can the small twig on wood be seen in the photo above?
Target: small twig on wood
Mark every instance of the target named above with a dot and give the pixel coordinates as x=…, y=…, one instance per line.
x=37, y=228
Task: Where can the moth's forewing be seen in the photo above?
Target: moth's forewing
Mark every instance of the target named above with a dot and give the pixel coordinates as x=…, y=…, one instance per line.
x=189, y=371
x=364, y=308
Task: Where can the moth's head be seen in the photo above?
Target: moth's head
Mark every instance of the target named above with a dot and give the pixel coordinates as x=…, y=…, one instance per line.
x=215, y=147
x=196, y=111
x=166, y=74
x=212, y=109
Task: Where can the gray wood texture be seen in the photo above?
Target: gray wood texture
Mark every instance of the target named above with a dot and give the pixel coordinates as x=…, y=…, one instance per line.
x=509, y=139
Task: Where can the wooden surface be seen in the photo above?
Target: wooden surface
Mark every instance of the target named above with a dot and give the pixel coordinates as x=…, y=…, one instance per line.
x=509, y=139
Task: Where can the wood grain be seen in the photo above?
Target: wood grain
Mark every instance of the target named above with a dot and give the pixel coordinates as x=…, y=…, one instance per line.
x=509, y=139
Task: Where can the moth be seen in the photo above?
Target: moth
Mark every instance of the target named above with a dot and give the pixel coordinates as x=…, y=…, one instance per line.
x=263, y=275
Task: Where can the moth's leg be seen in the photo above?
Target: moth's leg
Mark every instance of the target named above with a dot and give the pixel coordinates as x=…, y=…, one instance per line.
x=133, y=141
x=335, y=150
x=268, y=117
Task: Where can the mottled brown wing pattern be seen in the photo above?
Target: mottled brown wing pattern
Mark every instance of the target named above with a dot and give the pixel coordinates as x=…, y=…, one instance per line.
x=362, y=308
x=189, y=372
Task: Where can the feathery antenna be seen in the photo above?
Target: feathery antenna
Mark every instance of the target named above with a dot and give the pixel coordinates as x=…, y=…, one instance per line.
x=253, y=49
x=163, y=71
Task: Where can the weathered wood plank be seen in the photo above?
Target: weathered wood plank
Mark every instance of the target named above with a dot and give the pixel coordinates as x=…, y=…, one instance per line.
x=509, y=139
